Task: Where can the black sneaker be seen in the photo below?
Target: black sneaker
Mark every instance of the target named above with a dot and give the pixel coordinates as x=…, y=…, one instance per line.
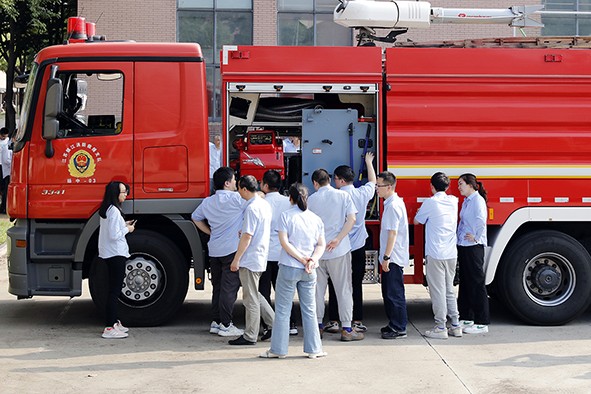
x=386, y=329
x=394, y=334
x=266, y=334
x=241, y=341
x=293, y=329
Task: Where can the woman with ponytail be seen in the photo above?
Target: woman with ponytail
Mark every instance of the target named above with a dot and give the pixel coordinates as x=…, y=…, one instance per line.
x=301, y=234
x=472, y=297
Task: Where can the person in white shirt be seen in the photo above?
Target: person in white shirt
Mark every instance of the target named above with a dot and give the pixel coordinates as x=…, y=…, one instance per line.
x=393, y=256
x=250, y=260
x=6, y=163
x=215, y=159
x=270, y=185
x=344, y=176
x=224, y=212
x=472, y=296
x=337, y=211
x=301, y=233
x=440, y=215
x=291, y=145
x=113, y=249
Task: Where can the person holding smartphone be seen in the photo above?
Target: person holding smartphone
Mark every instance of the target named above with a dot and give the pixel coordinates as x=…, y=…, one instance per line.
x=113, y=249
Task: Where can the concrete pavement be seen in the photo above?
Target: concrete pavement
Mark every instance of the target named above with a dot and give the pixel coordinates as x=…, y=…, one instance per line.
x=53, y=345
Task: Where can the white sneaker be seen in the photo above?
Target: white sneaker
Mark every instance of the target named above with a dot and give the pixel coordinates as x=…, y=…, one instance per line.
x=214, y=328
x=466, y=323
x=268, y=354
x=120, y=326
x=293, y=329
x=230, y=331
x=317, y=355
x=113, y=333
x=437, y=333
x=476, y=329
x=455, y=331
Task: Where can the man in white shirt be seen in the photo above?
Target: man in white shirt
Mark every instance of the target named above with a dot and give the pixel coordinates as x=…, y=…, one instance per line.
x=344, y=176
x=250, y=260
x=393, y=257
x=440, y=214
x=337, y=211
x=215, y=159
x=270, y=185
x=291, y=145
x=224, y=212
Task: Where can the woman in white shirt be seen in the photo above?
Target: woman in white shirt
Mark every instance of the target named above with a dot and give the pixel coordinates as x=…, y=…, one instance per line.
x=472, y=296
x=301, y=234
x=113, y=249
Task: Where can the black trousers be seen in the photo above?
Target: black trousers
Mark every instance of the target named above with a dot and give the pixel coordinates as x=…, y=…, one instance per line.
x=225, y=288
x=5, y=182
x=268, y=279
x=472, y=296
x=358, y=271
x=116, y=267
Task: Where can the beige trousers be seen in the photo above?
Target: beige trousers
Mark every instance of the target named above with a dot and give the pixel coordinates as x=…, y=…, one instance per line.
x=254, y=303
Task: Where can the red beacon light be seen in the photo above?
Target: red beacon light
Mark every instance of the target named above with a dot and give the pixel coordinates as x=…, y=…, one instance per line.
x=81, y=31
x=90, y=29
x=77, y=30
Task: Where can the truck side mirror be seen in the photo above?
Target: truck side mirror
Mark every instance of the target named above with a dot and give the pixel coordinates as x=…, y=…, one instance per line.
x=54, y=102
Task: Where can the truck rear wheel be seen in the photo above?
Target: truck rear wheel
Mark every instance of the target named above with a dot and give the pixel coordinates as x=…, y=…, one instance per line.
x=155, y=284
x=545, y=278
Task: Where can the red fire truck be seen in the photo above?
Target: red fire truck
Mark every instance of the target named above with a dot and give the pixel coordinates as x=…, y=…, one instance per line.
x=515, y=112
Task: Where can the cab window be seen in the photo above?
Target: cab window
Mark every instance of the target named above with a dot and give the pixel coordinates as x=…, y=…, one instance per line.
x=93, y=103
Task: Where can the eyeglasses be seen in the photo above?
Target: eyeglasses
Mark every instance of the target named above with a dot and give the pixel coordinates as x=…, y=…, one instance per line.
x=377, y=186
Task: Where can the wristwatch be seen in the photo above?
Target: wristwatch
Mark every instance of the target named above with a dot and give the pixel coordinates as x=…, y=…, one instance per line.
x=386, y=258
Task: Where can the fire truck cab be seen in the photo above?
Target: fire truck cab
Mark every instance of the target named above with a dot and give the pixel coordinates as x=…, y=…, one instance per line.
x=96, y=112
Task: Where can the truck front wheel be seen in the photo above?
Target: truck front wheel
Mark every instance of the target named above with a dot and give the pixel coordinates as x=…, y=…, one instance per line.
x=155, y=284
x=545, y=278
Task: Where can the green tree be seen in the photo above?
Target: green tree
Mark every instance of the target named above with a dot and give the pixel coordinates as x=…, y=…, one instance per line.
x=27, y=26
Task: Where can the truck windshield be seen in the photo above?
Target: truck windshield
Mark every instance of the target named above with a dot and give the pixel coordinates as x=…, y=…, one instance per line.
x=27, y=103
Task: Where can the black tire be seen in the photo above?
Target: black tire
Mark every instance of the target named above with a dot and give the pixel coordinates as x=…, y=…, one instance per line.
x=155, y=284
x=545, y=278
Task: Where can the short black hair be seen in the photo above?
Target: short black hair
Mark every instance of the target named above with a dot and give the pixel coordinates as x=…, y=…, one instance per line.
x=321, y=176
x=4, y=131
x=249, y=182
x=388, y=177
x=273, y=179
x=221, y=176
x=345, y=173
x=440, y=181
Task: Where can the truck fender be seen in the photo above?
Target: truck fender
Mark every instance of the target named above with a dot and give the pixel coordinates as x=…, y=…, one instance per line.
x=190, y=232
x=89, y=229
x=529, y=214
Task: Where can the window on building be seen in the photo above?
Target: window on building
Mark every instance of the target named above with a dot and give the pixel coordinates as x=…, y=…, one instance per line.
x=213, y=24
x=309, y=22
x=566, y=18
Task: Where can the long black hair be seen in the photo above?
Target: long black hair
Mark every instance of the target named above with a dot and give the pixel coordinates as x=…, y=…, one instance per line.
x=299, y=194
x=111, y=197
x=470, y=179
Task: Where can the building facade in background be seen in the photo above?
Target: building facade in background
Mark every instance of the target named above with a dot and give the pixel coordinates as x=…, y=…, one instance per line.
x=214, y=23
